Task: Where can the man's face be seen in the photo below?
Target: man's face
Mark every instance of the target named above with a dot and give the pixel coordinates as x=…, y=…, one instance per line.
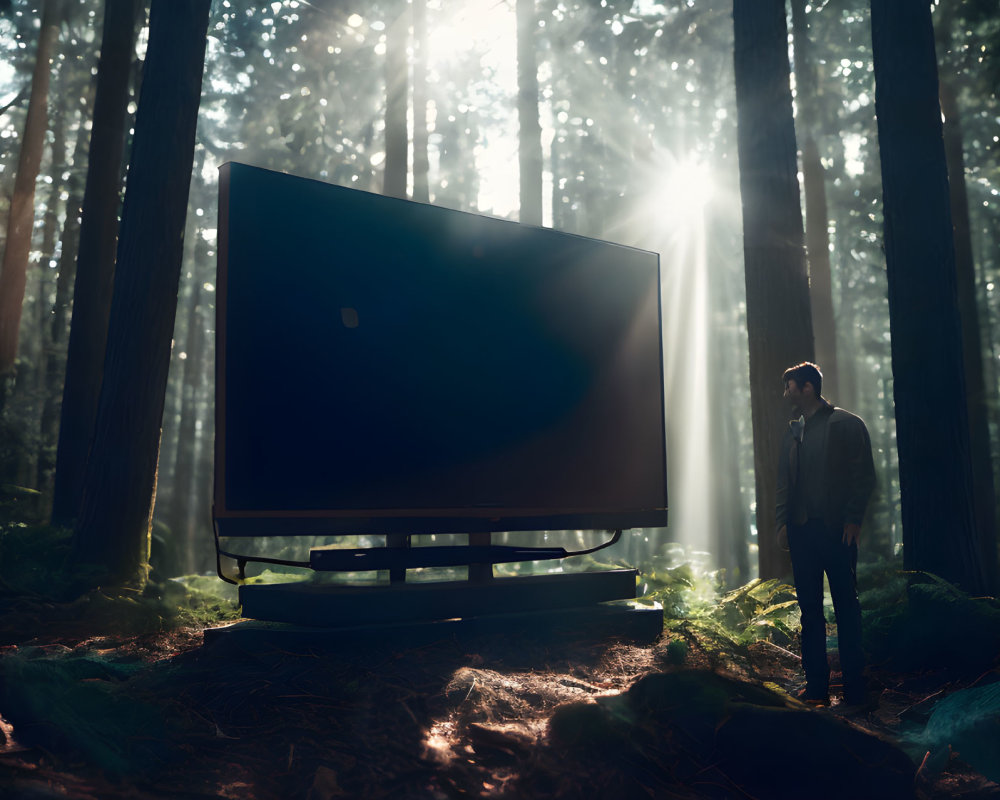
x=793, y=394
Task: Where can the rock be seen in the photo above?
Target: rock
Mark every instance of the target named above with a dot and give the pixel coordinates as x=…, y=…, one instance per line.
x=720, y=737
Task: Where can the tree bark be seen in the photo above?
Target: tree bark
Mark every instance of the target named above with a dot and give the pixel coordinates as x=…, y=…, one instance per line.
x=55, y=362
x=112, y=529
x=396, y=139
x=978, y=396
x=95, y=265
x=981, y=395
x=817, y=218
x=14, y=269
x=935, y=468
x=181, y=512
x=530, y=130
x=421, y=163
x=779, y=319
x=35, y=348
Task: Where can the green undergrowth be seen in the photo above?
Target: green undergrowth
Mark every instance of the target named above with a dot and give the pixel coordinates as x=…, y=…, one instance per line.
x=83, y=707
x=915, y=621
x=696, y=604
x=35, y=559
x=43, y=590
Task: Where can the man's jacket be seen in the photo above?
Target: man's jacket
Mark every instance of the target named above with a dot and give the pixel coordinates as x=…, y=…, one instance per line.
x=849, y=470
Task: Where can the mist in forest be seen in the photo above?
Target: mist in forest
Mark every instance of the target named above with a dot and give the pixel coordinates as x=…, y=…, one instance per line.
x=636, y=144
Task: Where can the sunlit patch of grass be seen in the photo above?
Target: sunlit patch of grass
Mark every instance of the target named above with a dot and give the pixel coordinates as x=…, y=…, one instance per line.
x=41, y=580
x=680, y=581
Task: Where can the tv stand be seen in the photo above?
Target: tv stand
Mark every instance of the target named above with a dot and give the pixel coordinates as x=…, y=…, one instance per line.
x=343, y=606
x=400, y=557
x=339, y=605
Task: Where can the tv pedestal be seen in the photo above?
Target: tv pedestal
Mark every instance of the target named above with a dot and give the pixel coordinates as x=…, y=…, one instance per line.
x=482, y=600
x=325, y=606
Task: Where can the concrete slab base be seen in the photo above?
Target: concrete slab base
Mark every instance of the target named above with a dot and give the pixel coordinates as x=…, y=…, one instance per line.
x=594, y=623
x=338, y=605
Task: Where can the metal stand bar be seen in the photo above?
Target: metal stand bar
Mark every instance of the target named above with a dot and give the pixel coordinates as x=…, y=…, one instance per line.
x=340, y=559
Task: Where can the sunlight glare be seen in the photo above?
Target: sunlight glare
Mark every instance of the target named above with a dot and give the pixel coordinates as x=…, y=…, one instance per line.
x=679, y=203
x=472, y=25
x=683, y=193
x=487, y=29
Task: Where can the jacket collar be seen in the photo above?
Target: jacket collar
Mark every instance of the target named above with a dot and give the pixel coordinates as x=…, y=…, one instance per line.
x=798, y=426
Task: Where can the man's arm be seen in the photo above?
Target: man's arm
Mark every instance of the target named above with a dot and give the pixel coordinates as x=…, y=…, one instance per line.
x=860, y=480
x=781, y=494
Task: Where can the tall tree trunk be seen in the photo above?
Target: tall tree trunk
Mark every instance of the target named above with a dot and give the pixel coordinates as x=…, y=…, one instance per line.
x=935, y=467
x=421, y=163
x=396, y=139
x=529, y=137
x=35, y=347
x=55, y=362
x=817, y=218
x=112, y=529
x=184, y=464
x=95, y=258
x=779, y=319
x=200, y=547
x=174, y=400
x=50, y=230
x=979, y=397
x=13, y=271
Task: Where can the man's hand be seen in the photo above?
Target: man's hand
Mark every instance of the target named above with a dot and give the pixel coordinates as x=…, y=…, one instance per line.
x=852, y=532
x=783, y=537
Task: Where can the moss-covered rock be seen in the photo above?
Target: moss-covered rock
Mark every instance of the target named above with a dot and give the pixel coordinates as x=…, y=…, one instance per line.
x=77, y=707
x=712, y=736
x=927, y=623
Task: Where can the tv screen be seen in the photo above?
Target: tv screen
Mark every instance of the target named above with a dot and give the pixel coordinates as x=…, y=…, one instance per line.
x=387, y=366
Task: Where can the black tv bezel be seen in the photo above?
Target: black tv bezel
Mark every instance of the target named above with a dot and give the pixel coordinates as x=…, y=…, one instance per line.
x=414, y=521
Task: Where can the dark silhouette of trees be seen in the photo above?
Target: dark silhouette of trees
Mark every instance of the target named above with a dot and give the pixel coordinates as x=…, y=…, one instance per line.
x=95, y=264
x=57, y=321
x=112, y=529
x=978, y=397
x=935, y=468
x=624, y=95
x=779, y=321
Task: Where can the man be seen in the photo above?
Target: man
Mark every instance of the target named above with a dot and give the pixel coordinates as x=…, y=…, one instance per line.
x=825, y=477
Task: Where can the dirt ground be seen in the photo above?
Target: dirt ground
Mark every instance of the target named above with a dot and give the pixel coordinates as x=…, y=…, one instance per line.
x=435, y=712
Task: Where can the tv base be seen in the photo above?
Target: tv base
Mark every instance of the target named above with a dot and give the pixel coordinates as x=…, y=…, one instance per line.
x=623, y=622
x=329, y=606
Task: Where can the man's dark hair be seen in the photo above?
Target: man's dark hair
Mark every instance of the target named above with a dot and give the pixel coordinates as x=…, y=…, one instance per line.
x=804, y=373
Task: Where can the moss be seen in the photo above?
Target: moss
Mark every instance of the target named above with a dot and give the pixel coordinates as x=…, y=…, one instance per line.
x=76, y=706
x=927, y=623
x=35, y=559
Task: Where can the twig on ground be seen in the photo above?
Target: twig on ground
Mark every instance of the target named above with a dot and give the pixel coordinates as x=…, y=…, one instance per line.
x=782, y=649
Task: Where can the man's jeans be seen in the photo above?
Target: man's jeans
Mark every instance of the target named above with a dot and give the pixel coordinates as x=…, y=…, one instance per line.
x=814, y=550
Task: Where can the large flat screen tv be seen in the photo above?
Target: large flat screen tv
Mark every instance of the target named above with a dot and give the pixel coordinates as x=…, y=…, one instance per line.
x=387, y=366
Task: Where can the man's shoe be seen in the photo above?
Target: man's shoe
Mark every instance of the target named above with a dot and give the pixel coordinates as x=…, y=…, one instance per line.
x=815, y=699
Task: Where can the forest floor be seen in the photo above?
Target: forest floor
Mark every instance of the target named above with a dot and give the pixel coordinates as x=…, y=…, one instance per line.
x=91, y=708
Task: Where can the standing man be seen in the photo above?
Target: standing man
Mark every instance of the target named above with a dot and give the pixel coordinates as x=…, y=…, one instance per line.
x=825, y=477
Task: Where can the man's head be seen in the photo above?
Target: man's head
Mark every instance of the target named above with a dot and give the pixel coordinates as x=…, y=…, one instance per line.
x=803, y=385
